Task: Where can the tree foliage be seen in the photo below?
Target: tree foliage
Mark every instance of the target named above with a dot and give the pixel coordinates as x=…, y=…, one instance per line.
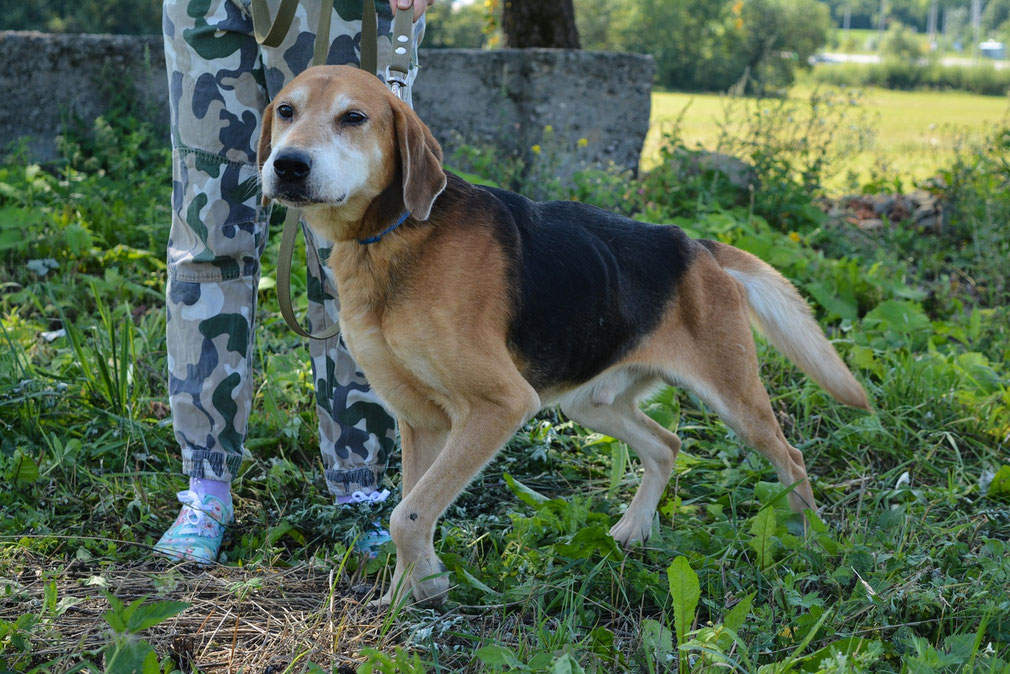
x=711, y=44
x=459, y=26
x=532, y=23
x=697, y=44
x=133, y=17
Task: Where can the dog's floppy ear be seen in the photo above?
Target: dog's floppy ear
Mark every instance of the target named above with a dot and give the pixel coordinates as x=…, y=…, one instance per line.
x=263, y=151
x=420, y=161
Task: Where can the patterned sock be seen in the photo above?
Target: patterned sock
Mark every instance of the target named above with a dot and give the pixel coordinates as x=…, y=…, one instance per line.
x=215, y=488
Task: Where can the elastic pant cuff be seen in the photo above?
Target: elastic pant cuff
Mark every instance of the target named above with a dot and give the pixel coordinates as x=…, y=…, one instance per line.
x=346, y=482
x=205, y=464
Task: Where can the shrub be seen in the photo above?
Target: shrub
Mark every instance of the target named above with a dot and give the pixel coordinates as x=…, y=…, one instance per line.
x=982, y=79
x=901, y=44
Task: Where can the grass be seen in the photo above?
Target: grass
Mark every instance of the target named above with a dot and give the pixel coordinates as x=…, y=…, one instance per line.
x=906, y=568
x=912, y=133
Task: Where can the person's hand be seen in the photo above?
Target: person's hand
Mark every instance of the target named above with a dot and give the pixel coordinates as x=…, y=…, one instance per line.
x=419, y=6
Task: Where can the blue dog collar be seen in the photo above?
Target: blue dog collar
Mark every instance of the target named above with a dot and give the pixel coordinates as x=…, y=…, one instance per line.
x=373, y=239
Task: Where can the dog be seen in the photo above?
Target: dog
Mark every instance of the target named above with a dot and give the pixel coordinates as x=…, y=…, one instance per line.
x=469, y=309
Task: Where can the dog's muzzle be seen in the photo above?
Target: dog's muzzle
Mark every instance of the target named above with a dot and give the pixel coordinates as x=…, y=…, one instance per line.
x=292, y=168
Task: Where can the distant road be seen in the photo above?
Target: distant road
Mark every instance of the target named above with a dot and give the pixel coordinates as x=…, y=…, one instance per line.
x=832, y=57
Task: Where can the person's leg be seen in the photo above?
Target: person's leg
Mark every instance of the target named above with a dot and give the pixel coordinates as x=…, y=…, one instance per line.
x=356, y=434
x=217, y=235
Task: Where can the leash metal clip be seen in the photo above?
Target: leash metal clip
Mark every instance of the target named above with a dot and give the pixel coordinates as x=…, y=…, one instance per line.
x=397, y=83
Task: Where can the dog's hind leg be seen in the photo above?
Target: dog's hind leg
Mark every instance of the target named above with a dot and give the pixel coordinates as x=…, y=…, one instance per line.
x=722, y=369
x=748, y=411
x=655, y=446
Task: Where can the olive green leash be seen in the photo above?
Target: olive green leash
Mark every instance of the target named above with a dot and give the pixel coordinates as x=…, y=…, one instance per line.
x=396, y=77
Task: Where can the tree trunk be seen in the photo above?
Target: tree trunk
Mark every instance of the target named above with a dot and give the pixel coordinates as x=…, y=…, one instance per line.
x=539, y=23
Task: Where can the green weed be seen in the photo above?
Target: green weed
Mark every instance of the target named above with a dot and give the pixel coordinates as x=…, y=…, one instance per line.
x=905, y=568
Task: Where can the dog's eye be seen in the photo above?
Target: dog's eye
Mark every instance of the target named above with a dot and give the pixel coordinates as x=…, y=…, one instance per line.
x=353, y=118
x=285, y=111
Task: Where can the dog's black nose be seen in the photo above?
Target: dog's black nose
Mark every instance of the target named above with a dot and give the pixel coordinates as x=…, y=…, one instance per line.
x=292, y=164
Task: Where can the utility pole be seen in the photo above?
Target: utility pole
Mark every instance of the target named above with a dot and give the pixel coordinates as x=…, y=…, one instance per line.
x=882, y=23
x=934, y=8
x=976, y=24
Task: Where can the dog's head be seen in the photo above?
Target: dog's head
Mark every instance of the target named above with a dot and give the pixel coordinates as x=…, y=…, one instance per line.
x=335, y=139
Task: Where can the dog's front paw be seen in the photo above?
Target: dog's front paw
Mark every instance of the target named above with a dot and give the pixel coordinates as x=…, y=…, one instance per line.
x=427, y=580
x=431, y=581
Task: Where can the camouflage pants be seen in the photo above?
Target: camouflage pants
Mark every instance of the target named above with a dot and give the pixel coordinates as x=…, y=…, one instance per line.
x=219, y=82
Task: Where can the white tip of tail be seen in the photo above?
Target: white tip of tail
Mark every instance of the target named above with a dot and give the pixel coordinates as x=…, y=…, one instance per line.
x=784, y=318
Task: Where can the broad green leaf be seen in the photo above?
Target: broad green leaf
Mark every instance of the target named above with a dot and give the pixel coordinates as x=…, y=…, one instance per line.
x=25, y=471
x=618, y=465
x=602, y=641
x=65, y=604
x=285, y=528
x=474, y=582
x=899, y=318
x=498, y=656
x=843, y=306
x=131, y=657
x=150, y=615
x=763, y=529
x=657, y=641
x=49, y=596
x=864, y=358
x=78, y=238
x=566, y=664
x=525, y=494
x=684, y=593
x=1000, y=485
x=115, y=617
x=588, y=541
x=817, y=525
x=734, y=619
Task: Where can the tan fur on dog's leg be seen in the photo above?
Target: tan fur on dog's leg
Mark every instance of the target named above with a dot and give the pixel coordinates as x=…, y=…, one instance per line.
x=720, y=365
x=656, y=448
x=419, y=448
x=474, y=439
x=749, y=413
x=706, y=346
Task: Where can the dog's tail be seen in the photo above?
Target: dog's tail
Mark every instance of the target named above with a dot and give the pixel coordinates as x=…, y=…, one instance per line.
x=784, y=318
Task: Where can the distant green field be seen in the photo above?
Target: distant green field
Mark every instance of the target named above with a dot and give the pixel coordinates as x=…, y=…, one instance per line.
x=915, y=132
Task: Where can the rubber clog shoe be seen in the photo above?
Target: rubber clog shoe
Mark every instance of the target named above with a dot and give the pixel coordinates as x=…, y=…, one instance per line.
x=369, y=542
x=199, y=529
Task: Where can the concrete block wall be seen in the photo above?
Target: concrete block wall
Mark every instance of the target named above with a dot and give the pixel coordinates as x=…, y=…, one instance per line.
x=504, y=98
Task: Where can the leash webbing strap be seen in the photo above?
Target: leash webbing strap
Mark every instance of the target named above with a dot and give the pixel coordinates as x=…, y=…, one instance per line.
x=403, y=32
x=369, y=59
x=322, y=46
x=399, y=68
x=291, y=226
x=278, y=27
x=284, y=257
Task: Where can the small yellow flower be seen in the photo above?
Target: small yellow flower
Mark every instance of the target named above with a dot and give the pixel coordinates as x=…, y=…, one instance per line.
x=548, y=129
x=794, y=236
x=536, y=149
x=583, y=142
